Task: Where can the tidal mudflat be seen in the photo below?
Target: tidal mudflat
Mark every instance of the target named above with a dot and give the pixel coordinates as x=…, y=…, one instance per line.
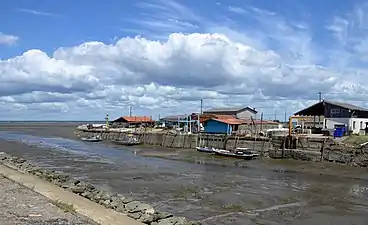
x=211, y=192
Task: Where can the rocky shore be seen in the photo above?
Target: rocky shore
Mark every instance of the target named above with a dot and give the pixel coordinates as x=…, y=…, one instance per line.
x=139, y=211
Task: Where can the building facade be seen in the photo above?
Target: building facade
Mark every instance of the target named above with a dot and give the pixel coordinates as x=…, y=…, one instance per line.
x=221, y=126
x=239, y=113
x=133, y=121
x=337, y=114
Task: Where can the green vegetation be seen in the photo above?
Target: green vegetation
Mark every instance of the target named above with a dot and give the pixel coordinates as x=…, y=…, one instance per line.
x=356, y=139
x=68, y=208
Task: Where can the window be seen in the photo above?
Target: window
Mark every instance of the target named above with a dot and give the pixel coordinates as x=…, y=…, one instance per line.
x=361, y=125
x=335, y=111
x=354, y=125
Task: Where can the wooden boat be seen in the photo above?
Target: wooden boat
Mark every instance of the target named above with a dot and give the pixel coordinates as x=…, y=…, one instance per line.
x=91, y=139
x=130, y=142
x=205, y=149
x=241, y=154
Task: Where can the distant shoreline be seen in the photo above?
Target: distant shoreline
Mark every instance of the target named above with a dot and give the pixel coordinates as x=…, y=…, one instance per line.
x=49, y=121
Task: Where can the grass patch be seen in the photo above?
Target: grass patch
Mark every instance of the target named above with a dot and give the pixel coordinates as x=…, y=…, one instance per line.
x=356, y=139
x=68, y=208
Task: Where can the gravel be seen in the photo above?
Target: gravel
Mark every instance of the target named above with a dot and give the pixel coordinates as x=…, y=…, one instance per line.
x=20, y=205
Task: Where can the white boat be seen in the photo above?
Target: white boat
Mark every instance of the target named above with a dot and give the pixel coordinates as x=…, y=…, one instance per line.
x=242, y=153
x=91, y=139
x=205, y=149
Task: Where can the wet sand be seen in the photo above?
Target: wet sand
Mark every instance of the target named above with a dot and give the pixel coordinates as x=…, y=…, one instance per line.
x=276, y=192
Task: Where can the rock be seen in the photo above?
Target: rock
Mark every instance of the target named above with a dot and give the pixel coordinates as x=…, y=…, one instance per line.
x=105, y=203
x=116, y=201
x=173, y=221
x=135, y=215
x=146, y=218
x=121, y=209
x=77, y=190
x=136, y=206
x=126, y=200
x=161, y=215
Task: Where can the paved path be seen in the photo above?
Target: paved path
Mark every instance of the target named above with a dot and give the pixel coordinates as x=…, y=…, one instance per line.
x=23, y=205
x=20, y=205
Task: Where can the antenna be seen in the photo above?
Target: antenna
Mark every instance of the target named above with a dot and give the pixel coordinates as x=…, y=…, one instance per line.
x=319, y=96
x=130, y=110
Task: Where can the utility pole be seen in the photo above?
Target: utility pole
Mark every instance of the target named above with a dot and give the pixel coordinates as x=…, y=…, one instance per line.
x=261, y=121
x=201, y=106
x=275, y=116
x=319, y=96
x=130, y=110
x=285, y=116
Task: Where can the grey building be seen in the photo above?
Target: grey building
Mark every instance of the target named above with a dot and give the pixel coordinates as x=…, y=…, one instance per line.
x=240, y=113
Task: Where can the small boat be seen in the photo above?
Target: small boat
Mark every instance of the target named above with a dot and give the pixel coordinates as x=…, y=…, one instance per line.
x=130, y=142
x=205, y=149
x=241, y=154
x=91, y=139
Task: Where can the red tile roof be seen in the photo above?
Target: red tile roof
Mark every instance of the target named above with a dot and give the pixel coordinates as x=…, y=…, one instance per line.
x=137, y=119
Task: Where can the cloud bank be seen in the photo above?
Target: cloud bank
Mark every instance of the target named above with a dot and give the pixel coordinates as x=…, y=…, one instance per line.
x=273, y=67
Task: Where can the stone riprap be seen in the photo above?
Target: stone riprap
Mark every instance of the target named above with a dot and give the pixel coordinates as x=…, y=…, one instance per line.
x=142, y=212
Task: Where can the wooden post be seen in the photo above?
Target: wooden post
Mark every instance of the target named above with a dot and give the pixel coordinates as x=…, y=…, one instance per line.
x=283, y=146
x=322, y=149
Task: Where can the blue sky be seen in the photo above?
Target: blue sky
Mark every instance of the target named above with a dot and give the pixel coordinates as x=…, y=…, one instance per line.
x=184, y=47
x=47, y=25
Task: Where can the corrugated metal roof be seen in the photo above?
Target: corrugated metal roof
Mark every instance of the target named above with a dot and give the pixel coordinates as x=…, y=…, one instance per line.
x=131, y=119
x=317, y=108
x=230, y=109
x=346, y=105
x=175, y=117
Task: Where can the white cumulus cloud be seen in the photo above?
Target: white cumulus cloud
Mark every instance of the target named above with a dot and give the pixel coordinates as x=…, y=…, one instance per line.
x=223, y=66
x=8, y=39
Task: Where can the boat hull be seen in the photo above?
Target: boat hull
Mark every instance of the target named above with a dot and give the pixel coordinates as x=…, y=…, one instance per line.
x=91, y=140
x=126, y=143
x=204, y=149
x=234, y=155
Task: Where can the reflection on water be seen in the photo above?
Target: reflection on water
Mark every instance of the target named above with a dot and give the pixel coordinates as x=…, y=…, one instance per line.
x=214, y=194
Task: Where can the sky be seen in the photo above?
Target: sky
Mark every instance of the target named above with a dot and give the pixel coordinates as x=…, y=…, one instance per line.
x=81, y=60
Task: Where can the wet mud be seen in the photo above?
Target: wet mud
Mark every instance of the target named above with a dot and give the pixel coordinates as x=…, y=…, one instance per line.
x=200, y=187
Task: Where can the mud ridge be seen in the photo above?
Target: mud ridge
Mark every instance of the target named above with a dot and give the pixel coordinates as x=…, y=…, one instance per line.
x=139, y=211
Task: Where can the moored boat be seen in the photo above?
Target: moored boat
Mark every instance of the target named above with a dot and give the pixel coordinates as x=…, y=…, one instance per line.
x=241, y=154
x=91, y=139
x=205, y=149
x=130, y=142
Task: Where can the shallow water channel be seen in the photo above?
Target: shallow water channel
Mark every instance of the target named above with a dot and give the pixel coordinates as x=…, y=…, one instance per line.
x=210, y=193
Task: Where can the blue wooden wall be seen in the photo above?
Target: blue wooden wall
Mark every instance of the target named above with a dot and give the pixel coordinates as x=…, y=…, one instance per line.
x=214, y=126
